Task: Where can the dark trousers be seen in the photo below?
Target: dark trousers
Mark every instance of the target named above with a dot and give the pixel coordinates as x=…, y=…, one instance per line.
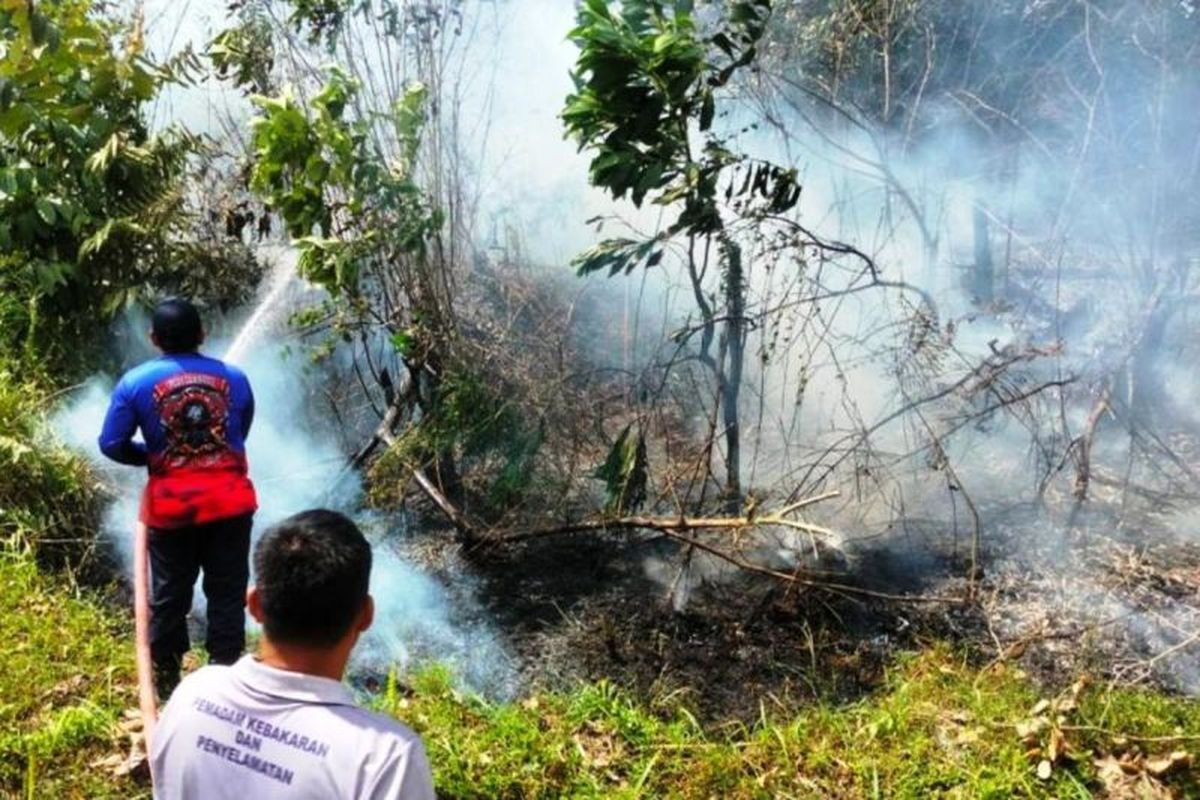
x=221, y=550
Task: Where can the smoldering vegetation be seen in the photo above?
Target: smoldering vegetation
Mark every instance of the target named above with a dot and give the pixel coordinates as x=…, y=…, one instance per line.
x=970, y=334
x=1033, y=167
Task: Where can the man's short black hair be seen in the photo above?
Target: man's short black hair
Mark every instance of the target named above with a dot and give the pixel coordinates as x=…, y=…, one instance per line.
x=176, y=324
x=312, y=572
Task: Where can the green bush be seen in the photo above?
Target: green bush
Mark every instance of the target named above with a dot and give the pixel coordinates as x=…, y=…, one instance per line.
x=481, y=428
x=50, y=502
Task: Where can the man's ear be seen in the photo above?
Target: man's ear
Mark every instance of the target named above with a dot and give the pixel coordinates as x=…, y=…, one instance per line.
x=154, y=339
x=203, y=336
x=367, y=615
x=254, y=604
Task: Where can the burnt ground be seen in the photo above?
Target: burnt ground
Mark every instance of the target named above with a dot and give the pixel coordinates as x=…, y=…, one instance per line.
x=1118, y=598
x=1096, y=598
x=583, y=608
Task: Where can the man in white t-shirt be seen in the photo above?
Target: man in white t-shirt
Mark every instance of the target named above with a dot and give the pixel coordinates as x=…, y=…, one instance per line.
x=282, y=724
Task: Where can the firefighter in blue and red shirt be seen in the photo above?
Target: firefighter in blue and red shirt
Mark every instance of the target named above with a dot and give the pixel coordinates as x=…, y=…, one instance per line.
x=194, y=413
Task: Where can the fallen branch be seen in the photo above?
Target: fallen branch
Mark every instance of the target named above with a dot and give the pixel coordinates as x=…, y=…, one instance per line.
x=795, y=577
x=385, y=433
x=467, y=531
x=684, y=523
x=677, y=528
x=1145, y=666
x=673, y=528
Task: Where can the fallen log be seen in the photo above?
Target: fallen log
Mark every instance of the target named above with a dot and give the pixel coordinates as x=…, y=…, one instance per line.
x=468, y=532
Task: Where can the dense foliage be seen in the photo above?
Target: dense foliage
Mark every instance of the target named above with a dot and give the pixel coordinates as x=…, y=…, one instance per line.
x=344, y=205
x=94, y=203
x=346, y=165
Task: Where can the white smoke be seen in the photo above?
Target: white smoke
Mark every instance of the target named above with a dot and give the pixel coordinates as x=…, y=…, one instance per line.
x=297, y=464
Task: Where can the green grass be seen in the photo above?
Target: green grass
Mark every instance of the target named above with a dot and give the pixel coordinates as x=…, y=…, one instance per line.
x=937, y=728
x=67, y=669
x=66, y=678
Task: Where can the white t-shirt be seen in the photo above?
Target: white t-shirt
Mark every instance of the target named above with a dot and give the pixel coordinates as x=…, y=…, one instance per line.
x=254, y=732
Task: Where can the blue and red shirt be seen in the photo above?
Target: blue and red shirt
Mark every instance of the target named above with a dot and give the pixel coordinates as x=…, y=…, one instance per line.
x=194, y=413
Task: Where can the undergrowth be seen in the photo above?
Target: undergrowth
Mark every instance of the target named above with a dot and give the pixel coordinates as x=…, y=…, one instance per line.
x=67, y=677
x=49, y=500
x=937, y=726
x=67, y=670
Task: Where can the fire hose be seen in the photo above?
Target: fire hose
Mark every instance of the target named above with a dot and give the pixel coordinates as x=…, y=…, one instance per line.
x=141, y=616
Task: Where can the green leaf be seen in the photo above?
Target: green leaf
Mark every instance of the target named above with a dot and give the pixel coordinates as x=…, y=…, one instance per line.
x=96, y=241
x=404, y=341
x=14, y=449
x=40, y=27
x=625, y=471
x=45, y=210
x=707, y=110
x=599, y=8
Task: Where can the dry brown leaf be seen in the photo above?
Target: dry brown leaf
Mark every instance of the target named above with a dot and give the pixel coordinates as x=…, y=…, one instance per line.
x=1056, y=747
x=131, y=724
x=1016, y=649
x=1031, y=730
x=1126, y=779
x=67, y=687
x=1158, y=767
x=109, y=762
x=136, y=765
x=598, y=747
x=119, y=766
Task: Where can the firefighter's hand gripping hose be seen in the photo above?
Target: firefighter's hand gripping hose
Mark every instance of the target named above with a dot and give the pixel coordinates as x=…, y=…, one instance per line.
x=141, y=606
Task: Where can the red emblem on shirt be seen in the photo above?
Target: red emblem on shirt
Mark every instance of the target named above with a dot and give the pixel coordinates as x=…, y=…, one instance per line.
x=193, y=409
x=197, y=478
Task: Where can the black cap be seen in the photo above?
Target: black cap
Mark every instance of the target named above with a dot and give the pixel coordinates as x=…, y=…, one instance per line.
x=176, y=325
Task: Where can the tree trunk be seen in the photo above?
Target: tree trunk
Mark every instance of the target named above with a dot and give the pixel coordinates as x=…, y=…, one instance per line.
x=732, y=368
x=984, y=278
